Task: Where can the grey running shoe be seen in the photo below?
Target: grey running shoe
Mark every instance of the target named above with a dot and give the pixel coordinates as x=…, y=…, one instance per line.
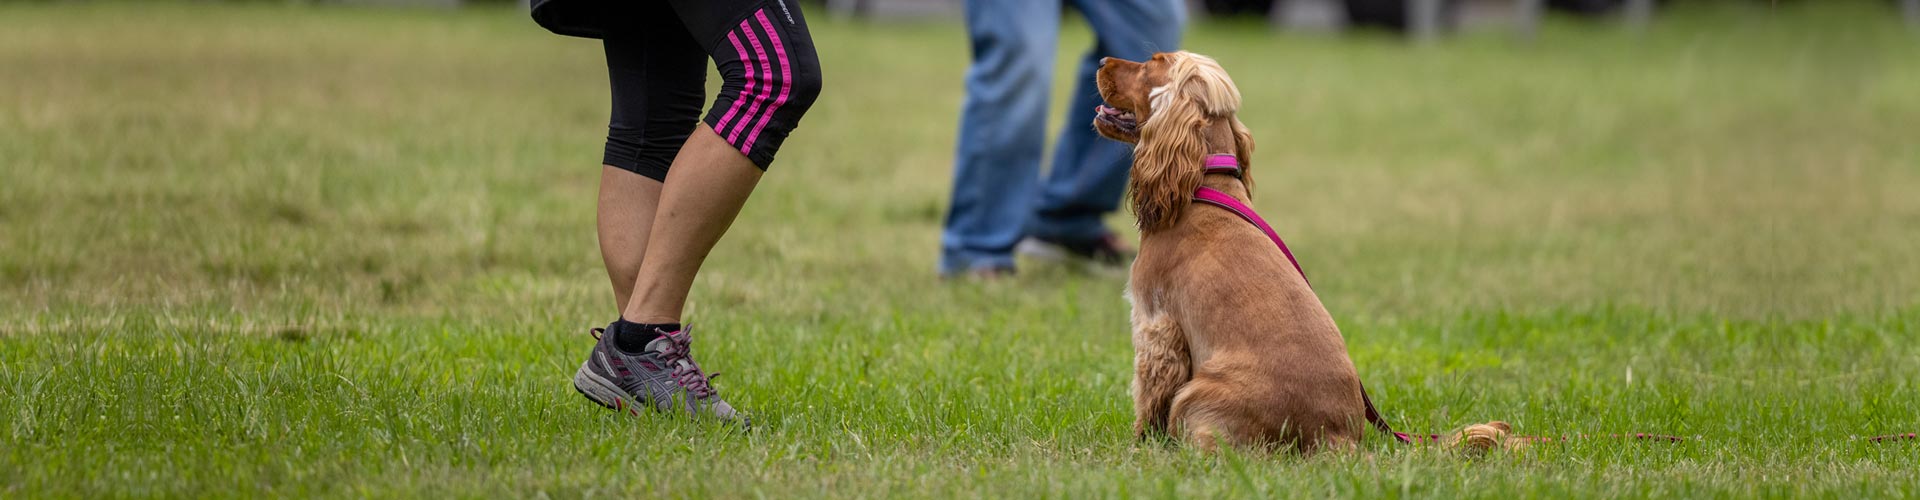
x=663, y=377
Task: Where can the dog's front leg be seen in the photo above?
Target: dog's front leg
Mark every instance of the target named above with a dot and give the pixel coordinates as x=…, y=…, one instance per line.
x=1160, y=366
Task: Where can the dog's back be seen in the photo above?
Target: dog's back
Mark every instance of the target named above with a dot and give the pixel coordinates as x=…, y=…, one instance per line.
x=1268, y=365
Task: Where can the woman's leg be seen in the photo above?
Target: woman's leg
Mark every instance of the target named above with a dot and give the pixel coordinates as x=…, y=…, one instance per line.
x=648, y=359
x=763, y=51
x=705, y=191
x=624, y=217
x=658, y=78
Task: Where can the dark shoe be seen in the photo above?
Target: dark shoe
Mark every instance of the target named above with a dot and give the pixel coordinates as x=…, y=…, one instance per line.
x=1103, y=254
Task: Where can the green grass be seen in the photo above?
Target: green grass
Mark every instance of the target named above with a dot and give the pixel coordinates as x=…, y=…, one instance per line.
x=272, y=250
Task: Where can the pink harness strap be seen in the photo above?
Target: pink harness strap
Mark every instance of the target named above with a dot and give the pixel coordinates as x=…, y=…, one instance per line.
x=1227, y=164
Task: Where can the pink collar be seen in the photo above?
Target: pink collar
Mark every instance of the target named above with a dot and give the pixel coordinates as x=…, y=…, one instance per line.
x=1223, y=164
x=1228, y=164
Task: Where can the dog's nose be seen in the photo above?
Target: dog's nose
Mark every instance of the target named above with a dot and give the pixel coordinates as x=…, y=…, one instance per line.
x=1103, y=62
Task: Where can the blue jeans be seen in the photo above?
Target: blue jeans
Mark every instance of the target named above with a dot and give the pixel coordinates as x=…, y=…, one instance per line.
x=998, y=196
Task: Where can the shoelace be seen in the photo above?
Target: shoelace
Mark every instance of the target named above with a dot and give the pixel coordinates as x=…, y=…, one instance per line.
x=679, y=353
x=685, y=372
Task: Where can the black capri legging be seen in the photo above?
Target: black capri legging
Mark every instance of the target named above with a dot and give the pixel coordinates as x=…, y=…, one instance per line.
x=656, y=63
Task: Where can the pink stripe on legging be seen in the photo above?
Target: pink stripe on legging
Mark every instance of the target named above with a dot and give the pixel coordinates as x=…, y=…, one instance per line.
x=718, y=127
x=786, y=80
x=765, y=72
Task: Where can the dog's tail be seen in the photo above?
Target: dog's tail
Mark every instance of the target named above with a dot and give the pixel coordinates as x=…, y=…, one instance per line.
x=1478, y=439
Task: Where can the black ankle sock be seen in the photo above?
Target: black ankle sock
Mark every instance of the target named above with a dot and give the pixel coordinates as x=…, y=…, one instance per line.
x=633, y=337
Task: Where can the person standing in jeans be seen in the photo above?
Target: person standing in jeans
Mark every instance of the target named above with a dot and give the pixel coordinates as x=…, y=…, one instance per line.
x=999, y=200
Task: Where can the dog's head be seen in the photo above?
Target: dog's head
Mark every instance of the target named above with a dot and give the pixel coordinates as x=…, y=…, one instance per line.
x=1164, y=106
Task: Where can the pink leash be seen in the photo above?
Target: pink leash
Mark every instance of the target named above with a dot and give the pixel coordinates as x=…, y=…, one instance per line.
x=1230, y=165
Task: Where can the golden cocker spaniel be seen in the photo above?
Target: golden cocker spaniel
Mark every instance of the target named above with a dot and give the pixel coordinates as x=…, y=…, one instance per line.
x=1231, y=346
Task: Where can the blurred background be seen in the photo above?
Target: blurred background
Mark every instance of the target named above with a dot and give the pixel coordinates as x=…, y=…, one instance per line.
x=220, y=151
x=1420, y=18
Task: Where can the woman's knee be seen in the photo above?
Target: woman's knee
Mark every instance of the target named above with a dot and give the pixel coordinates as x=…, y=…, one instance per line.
x=769, y=83
x=808, y=87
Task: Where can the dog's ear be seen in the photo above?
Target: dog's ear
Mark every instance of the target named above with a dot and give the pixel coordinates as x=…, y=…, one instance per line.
x=1243, y=148
x=1167, y=163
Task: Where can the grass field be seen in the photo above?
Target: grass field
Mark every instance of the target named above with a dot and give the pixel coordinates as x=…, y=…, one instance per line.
x=278, y=250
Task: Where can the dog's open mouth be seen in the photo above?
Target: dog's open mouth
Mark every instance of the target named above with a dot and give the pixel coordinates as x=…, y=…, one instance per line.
x=1117, y=118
